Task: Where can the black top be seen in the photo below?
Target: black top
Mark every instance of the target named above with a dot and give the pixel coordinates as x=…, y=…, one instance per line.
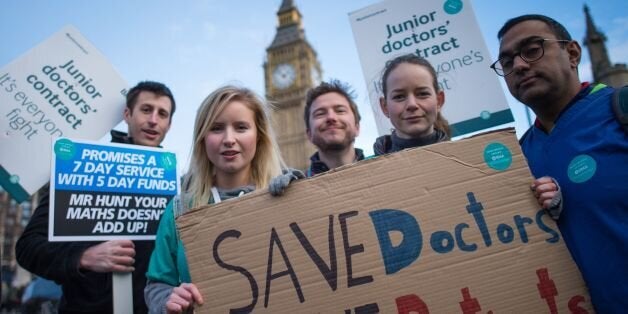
x=83, y=291
x=393, y=143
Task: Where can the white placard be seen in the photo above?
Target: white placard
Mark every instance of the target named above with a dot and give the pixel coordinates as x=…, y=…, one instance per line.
x=448, y=35
x=62, y=87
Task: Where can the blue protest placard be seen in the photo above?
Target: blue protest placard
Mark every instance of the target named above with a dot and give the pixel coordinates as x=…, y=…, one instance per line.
x=109, y=191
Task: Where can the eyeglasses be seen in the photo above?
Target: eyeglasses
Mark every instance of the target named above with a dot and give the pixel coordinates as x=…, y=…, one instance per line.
x=530, y=52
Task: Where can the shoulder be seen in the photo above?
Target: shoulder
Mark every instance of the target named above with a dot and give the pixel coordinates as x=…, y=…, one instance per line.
x=359, y=154
x=526, y=136
x=120, y=137
x=382, y=145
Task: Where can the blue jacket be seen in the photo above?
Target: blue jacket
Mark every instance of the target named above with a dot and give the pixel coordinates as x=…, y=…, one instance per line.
x=587, y=153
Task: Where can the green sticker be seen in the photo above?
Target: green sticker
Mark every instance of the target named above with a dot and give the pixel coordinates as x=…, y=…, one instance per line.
x=497, y=156
x=581, y=168
x=64, y=149
x=452, y=6
x=485, y=115
x=168, y=161
x=15, y=179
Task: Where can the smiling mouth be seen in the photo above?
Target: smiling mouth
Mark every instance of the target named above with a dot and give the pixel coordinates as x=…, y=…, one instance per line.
x=150, y=133
x=332, y=129
x=229, y=153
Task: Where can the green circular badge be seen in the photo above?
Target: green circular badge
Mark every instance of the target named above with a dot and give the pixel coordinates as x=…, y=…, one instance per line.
x=581, y=168
x=485, y=115
x=64, y=149
x=497, y=156
x=15, y=179
x=168, y=161
x=452, y=6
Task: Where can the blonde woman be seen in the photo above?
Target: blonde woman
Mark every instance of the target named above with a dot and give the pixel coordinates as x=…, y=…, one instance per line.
x=234, y=152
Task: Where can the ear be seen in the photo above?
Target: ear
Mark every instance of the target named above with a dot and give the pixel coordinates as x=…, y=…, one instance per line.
x=357, y=129
x=309, y=134
x=440, y=96
x=127, y=114
x=575, y=53
x=382, y=105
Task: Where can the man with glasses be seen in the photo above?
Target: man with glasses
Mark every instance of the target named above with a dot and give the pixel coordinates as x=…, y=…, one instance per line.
x=576, y=140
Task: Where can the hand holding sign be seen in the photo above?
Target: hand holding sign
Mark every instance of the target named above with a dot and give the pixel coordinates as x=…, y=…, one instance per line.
x=183, y=297
x=110, y=256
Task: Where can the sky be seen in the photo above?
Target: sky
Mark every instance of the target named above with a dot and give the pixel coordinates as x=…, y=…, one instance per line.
x=196, y=46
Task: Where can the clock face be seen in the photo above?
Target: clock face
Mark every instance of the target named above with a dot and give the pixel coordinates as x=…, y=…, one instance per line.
x=283, y=76
x=316, y=76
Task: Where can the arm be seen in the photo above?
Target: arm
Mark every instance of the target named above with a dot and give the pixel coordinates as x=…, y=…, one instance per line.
x=58, y=261
x=156, y=295
x=166, y=290
x=66, y=261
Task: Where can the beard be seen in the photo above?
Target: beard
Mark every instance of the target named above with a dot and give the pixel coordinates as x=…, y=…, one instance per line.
x=333, y=145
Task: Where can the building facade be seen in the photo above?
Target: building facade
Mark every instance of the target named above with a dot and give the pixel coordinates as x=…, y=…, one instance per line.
x=13, y=218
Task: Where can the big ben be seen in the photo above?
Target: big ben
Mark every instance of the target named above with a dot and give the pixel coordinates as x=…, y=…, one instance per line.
x=290, y=70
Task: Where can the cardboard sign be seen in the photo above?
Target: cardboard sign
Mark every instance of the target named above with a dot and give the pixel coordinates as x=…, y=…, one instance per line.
x=449, y=228
x=64, y=87
x=448, y=35
x=109, y=191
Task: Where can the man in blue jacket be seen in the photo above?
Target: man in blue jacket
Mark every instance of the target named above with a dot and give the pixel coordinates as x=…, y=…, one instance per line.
x=578, y=141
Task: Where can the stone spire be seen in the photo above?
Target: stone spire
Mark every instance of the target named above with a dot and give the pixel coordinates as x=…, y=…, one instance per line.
x=595, y=42
x=290, y=28
x=286, y=5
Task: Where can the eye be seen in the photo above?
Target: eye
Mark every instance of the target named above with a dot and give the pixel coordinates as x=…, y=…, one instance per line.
x=164, y=114
x=319, y=113
x=424, y=93
x=146, y=109
x=217, y=128
x=532, y=51
x=341, y=110
x=242, y=126
x=506, y=62
x=398, y=97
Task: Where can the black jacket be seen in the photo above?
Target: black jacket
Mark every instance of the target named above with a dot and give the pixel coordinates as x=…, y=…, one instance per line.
x=83, y=291
x=317, y=166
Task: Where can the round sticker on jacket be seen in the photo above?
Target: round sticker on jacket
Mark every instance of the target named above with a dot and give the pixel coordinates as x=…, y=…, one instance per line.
x=581, y=168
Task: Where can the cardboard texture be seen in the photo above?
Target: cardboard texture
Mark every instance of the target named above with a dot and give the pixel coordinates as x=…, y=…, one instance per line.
x=448, y=228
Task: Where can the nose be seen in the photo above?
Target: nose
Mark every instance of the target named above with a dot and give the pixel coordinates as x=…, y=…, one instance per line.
x=229, y=137
x=412, y=103
x=154, y=117
x=331, y=116
x=519, y=64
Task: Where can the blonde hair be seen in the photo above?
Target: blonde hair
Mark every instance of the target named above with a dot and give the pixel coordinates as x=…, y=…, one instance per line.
x=267, y=161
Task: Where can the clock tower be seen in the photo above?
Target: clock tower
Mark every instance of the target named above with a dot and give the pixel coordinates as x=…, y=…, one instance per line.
x=290, y=70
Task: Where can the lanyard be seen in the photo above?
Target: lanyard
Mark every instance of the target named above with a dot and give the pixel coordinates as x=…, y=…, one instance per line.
x=216, y=195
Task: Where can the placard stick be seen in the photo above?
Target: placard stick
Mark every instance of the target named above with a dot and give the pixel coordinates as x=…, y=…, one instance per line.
x=122, y=293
